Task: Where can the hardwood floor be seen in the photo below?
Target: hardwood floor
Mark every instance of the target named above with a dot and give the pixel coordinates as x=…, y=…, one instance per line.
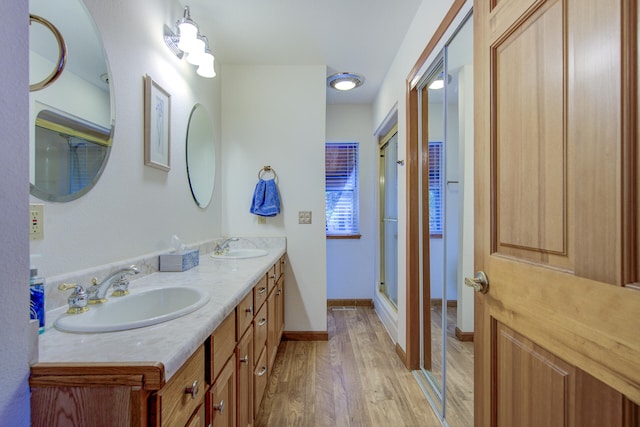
x=354, y=379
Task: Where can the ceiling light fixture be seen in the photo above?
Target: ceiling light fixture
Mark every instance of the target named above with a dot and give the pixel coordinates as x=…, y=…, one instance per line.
x=344, y=81
x=189, y=40
x=438, y=83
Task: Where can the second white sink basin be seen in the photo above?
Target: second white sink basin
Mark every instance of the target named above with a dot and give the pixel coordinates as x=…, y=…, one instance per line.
x=241, y=254
x=145, y=308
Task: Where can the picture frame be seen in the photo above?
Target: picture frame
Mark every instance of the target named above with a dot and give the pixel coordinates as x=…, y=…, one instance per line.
x=157, y=125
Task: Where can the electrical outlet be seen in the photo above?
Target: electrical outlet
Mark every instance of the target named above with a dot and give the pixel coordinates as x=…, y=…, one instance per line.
x=262, y=220
x=36, y=221
x=304, y=217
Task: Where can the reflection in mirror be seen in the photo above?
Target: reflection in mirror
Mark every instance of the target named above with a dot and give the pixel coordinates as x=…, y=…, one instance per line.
x=72, y=118
x=446, y=118
x=201, y=156
x=434, y=183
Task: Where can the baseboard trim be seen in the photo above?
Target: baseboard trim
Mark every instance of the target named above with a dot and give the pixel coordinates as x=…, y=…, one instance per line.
x=349, y=302
x=438, y=302
x=401, y=354
x=464, y=336
x=305, y=336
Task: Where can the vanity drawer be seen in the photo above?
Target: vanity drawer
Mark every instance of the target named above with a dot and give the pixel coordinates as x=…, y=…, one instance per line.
x=260, y=378
x=279, y=268
x=184, y=392
x=244, y=314
x=260, y=293
x=260, y=329
x=223, y=344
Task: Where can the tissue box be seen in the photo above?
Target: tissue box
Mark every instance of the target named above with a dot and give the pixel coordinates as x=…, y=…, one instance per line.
x=180, y=261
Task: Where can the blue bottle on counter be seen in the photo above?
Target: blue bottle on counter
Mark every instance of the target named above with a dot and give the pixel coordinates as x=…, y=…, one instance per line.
x=36, y=289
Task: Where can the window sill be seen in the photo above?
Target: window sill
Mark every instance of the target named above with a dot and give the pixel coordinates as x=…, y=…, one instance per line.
x=343, y=236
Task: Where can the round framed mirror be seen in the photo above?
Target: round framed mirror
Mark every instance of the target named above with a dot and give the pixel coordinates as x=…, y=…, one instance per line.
x=71, y=115
x=201, y=156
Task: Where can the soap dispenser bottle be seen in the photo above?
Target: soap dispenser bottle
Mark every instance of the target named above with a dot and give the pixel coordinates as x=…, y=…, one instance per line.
x=36, y=289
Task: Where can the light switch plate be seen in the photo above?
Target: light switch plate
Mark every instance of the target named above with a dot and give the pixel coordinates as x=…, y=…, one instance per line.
x=304, y=217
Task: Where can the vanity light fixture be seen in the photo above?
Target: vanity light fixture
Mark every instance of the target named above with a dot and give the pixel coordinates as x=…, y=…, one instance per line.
x=345, y=81
x=189, y=41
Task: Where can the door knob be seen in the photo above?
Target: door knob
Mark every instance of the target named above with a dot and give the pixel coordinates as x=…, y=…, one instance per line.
x=480, y=283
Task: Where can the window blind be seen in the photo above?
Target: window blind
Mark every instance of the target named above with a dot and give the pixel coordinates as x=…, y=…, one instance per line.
x=341, y=184
x=436, y=188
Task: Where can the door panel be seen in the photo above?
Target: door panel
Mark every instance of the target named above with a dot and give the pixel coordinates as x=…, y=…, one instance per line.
x=557, y=335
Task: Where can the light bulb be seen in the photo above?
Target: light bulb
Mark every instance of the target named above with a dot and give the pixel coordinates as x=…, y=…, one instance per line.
x=188, y=36
x=196, y=52
x=437, y=84
x=206, y=66
x=345, y=85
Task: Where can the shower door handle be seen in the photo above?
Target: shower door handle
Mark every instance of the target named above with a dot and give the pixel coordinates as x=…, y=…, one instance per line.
x=480, y=283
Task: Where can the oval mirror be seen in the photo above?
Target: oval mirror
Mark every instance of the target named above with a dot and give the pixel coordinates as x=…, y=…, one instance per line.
x=201, y=156
x=71, y=114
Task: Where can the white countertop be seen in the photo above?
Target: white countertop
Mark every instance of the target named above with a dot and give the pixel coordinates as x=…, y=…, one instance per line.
x=170, y=343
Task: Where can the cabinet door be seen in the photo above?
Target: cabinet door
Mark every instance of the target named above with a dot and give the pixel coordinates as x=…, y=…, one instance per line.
x=244, y=370
x=272, y=327
x=279, y=310
x=199, y=418
x=221, y=399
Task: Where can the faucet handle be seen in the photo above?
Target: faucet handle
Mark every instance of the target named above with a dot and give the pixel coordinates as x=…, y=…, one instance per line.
x=120, y=287
x=66, y=286
x=78, y=299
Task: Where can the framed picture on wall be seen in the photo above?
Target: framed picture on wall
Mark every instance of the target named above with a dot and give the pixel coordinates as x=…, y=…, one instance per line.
x=157, y=125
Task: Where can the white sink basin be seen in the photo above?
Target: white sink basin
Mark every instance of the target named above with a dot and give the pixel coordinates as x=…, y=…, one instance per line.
x=241, y=254
x=135, y=311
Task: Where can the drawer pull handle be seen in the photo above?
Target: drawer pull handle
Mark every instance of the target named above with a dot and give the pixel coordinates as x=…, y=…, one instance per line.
x=193, y=390
x=262, y=371
x=272, y=277
x=244, y=359
x=249, y=310
x=219, y=406
x=262, y=322
x=279, y=292
x=262, y=291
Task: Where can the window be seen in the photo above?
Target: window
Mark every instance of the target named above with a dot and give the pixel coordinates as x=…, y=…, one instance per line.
x=341, y=185
x=436, y=188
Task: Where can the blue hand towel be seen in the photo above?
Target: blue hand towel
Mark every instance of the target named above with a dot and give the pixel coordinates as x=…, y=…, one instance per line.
x=266, y=201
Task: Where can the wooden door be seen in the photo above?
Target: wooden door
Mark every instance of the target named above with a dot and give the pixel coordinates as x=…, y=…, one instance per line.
x=558, y=332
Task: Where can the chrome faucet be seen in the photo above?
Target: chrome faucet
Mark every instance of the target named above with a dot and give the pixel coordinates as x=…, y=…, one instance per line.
x=223, y=247
x=118, y=280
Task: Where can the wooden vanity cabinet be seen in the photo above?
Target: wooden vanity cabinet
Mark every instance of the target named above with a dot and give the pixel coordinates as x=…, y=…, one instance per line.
x=231, y=366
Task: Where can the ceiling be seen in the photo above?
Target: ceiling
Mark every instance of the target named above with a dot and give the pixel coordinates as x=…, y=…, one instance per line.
x=360, y=36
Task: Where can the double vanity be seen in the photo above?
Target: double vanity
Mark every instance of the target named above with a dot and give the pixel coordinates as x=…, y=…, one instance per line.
x=207, y=367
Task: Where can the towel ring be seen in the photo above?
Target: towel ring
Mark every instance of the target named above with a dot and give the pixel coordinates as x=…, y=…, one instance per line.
x=267, y=169
x=62, y=54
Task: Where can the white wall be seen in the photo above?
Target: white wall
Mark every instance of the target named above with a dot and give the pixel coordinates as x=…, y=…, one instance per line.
x=268, y=122
x=392, y=92
x=135, y=209
x=14, y=250
x=352, y=263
